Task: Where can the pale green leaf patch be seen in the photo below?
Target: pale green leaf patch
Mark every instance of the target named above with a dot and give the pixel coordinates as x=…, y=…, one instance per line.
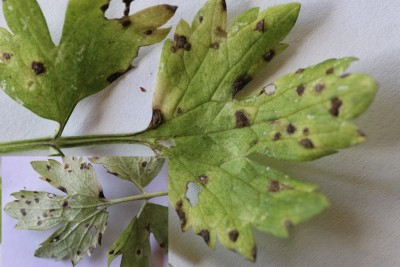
x=139, y=170
x=134, y=243
x=93, y=52
x=210, y=133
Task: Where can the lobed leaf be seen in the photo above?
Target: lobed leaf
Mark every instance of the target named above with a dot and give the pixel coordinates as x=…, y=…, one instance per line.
x=139, y=170
x=301, y=116
x=134, y=243
x=93, y=52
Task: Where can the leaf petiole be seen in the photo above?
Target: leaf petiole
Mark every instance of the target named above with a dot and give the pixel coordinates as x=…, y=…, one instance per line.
x=144, y=196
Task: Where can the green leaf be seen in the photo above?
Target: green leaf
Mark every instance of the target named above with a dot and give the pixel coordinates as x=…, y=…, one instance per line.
x=208, y=134
x=139, y=170
x=81, y=213
x=93, y=52
x=134, y=243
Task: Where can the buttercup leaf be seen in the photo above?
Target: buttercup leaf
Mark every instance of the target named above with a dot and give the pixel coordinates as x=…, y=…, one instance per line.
x=134, y=243
x=139, y=170
x=208, y=134
x=81, y=213
x=93, y=52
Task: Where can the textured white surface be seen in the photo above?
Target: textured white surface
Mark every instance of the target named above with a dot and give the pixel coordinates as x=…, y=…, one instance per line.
x=18, y=246
x=362, y=227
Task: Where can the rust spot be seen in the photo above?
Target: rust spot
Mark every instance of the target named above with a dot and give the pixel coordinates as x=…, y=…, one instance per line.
x=254, y=253
x=306, y=131
x=143, y=90
x=220, y=32
x=224, y=5
x=61, y=188
x=336, y=104
x=181, y=42
x=307, y=143
x=240, y=83
x=299, y=71
x=6, y=56
x=291, y=129
x=206, y=235
x=144, y=164
x=157, y=119
x=300, y=90
x=241, y=120
x=148, y=32
x=104, y=7
x=36, y=200
x=181, y=213
x=23, y=212
x=38, y=68
x=39, y=222
x=203, y=179
x=101, y=194
x=201, y=19
x=260, y=26
x=28, y=202
x=330, y=71
x=345, y=75
x=215, y=46
x=276, y=186
x=277, y=136
x=233, y=235
x=319, y=88
x=269, y=55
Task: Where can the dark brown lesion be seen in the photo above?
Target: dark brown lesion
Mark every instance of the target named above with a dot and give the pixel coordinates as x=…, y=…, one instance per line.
x=223, y=5
x=260, y=26
x=291, y=129
x=38, y=67
x=115, y=76
x=206, y=235
x=181, y=42
x=241, y=120
x=319, y=88
x=254, y=253
x=276, y=186
x=300, y=90
x=277, y=136
x=330, y=71
x=307, y=143
x=220, y=32
x=125, y=22
x=4, y=56
x=240, y=83
x=233, y=235
x=299, y=71
x=156, y=119
x=269, y=55
x=336, y=103
x=203, y=179
x=181, y=213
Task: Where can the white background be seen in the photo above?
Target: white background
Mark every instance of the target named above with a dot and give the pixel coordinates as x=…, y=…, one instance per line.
x=362, y=227
x=18, y=246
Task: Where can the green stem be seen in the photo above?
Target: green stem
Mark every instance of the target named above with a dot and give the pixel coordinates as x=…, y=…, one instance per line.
x=74, y=141
x=144, y=196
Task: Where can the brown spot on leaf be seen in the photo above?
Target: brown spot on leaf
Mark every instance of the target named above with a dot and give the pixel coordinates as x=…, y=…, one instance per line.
x=29, y=83
x=157, y=119
x=101, y=194
x=144, y=164
x=307, y=143
x=203, y=179
x=28, y=202
x=23, y=212
x=48, y=180
x=260, y=26
x=269, y=55
x=52, y=210
x=288, y=223
x=220, y=32
x=277, y=136
x=38, y=67
x=181, y=42
x=78, y=252
x=148, y=32
x=276, y=186
x=215, y=46
x=240, y=83
x=63, y=189
x=39, y=223
x=336, y=104
x=206, y=235
x=171, y=8
x=6, y=56
x=181, y=213
x=22, y=196
x=291, y=129
x=233, y=235
x=111, y=252
x=330, y=71
x=201, y=19
x=306, y=131
x=50, y=195
x=300, y=90
x=254, y=253
x=66, y=166
x=241, y=120
x=37, y=200
x=45, y=215
x=65, y=204
x=223, y=5
x=299, y=71
x=319, y=88
x=100, y=238
x=180, y=111
x=138, y=251
x=84, y=166
x=48, y=167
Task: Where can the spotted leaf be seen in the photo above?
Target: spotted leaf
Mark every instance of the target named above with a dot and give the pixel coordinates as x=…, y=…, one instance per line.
x=139, y=170
x=81, y=213
x=134, y=242
x=208, y=134
x=93, y=52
